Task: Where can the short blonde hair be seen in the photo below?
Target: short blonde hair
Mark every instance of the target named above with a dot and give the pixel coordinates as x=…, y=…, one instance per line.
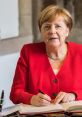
x=54, y=11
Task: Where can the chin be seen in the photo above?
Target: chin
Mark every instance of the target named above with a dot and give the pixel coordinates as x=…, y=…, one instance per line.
x=54, y=44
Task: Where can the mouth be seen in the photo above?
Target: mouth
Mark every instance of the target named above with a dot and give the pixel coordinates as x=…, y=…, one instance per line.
x=53, y=38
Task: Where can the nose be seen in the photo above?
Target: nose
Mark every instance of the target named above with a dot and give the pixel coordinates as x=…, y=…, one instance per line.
x=52, y=29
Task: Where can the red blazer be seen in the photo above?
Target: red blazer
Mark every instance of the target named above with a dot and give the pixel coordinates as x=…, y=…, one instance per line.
x=34, y=72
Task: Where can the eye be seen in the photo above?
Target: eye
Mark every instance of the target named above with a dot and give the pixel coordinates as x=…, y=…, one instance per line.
x=47, y=27
x=57, y=26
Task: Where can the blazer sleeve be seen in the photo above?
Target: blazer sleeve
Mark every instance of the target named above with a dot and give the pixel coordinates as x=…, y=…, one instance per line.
x=19, y=92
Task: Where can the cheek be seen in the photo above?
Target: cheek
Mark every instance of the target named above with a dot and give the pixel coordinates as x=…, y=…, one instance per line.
x=44, y=34
x=45, y=37
x=64, y=34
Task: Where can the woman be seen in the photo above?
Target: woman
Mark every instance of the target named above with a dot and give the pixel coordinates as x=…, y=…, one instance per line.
x=53, y=66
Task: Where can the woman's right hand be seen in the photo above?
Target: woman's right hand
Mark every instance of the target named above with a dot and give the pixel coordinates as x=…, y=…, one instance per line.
x=40, y=100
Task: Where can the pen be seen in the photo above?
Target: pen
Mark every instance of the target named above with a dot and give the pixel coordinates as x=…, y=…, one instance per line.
x=44, y=93
x=1, y=100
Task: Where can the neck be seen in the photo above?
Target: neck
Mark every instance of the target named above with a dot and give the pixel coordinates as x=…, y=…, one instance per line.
x=57, y=54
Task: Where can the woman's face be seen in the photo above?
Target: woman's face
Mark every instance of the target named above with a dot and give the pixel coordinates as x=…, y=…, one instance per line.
x=54, y=32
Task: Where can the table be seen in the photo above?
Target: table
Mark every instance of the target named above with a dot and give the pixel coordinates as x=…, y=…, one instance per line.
x=47, y=115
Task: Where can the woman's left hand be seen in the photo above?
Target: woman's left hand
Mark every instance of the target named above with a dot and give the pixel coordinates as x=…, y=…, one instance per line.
x=64, y=97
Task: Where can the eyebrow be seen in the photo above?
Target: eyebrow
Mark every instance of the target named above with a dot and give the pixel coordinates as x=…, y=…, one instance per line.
x=47, y=23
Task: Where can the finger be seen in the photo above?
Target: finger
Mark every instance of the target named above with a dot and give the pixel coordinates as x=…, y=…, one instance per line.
x=65, y=98
x=43, y=102
x=45, y=97
x=68, y=97
x=71, y=97
x=59, y=95
x=59, y=98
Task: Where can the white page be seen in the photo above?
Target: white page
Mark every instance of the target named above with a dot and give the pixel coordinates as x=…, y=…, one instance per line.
x=72, y=105
x=33, y=109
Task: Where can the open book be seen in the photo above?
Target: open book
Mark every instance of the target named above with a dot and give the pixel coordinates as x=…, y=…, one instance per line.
x=74, y=106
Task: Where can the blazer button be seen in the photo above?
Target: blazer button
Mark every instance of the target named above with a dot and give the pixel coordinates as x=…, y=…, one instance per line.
x=55, y=80
x=54, y=94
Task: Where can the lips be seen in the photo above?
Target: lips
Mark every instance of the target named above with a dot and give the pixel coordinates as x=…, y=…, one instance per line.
x=53, y=38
